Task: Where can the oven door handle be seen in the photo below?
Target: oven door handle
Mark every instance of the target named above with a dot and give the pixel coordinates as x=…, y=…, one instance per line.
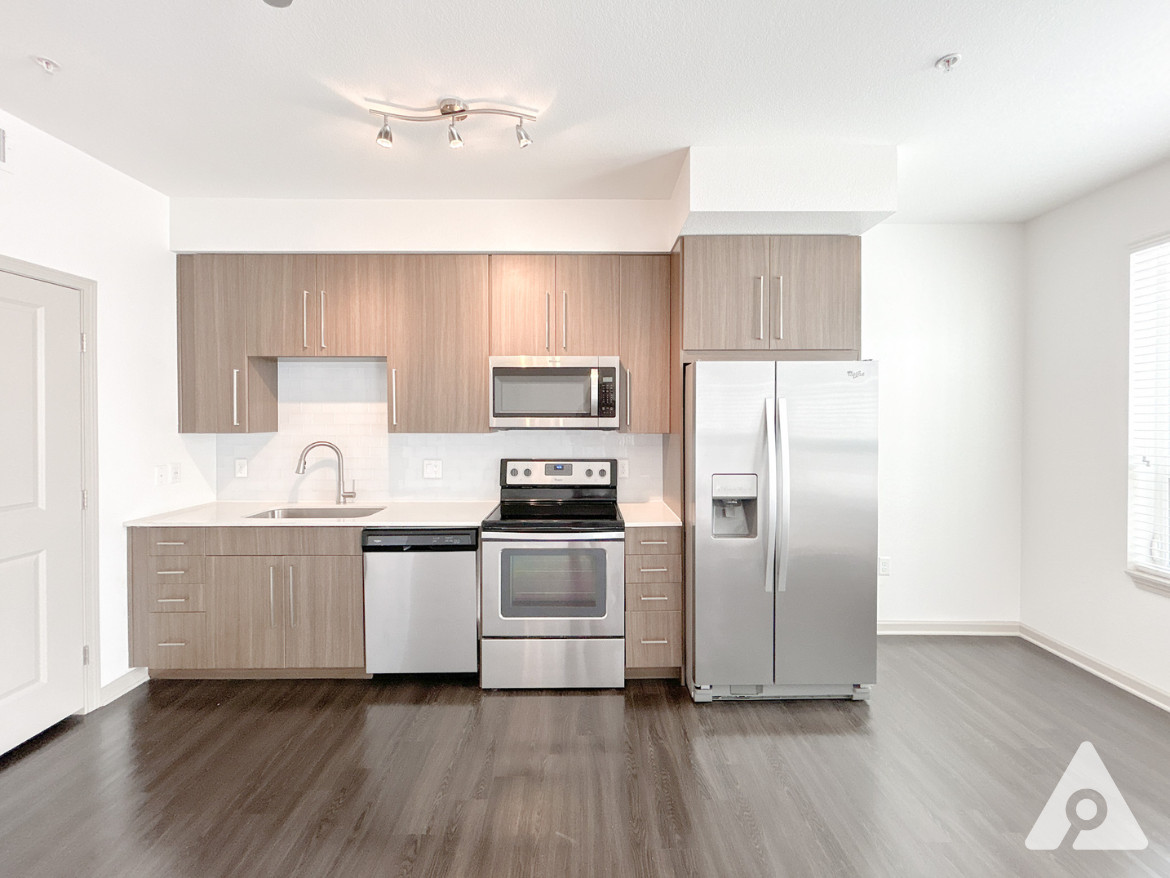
x=562, y=537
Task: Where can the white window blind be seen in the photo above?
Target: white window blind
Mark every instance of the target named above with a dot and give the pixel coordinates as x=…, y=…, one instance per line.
x=1149, y=413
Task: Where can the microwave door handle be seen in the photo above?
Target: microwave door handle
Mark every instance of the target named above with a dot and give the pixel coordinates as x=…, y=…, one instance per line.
x=771, y=463
x=593, y=380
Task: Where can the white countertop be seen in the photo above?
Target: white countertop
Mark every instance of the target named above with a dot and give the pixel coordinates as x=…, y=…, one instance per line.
x=412, y=513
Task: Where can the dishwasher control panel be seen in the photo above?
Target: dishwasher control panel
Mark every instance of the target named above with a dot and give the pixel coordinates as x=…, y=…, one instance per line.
x=418, y=539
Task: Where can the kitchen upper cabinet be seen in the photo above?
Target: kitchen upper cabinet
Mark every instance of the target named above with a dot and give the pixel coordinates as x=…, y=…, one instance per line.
x=758, y=293
x=438, y=344
x=281, y=298
x=816, y=292
x=221, y=388
x=645, y=343
x=351, y=305
x=523, y=312
x=549, y=306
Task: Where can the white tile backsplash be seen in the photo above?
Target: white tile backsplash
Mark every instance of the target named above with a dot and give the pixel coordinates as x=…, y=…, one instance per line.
x=344, y=402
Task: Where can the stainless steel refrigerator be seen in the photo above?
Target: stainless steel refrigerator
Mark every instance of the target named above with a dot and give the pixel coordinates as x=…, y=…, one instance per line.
x=781, y=505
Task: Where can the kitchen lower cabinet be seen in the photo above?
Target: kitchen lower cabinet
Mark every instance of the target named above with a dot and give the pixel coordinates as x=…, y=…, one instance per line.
x=221, y=608
x=654, y=602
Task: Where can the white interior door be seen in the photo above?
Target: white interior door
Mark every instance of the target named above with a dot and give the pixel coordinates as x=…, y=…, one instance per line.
x=41, y=591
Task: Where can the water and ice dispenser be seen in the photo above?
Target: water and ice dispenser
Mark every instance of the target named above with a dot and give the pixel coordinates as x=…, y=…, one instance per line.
x=733, y=505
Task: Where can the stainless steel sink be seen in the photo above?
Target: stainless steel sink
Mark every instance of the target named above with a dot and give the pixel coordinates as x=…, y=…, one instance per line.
x=319, y=512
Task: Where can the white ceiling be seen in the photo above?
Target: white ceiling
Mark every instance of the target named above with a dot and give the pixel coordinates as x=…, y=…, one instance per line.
x=233, y=98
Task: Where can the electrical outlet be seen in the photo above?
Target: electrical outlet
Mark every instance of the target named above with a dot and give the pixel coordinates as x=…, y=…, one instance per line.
x=161, y=474
x=174, y=474
x=623, y=469
x=432, y=469
x=883, y=566
x=241, y=467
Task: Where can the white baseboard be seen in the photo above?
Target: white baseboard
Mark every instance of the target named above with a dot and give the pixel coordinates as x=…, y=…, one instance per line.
x=979, y=629
x=1108, y=673
x=115, y=689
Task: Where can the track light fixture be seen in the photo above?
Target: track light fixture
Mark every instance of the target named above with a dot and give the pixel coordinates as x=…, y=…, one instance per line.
x=452, y=110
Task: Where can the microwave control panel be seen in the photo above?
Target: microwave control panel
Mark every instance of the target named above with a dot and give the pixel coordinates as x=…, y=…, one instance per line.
x=607, y=393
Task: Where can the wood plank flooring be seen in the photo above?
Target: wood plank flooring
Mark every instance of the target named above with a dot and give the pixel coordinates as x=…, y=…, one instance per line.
x=942, y=773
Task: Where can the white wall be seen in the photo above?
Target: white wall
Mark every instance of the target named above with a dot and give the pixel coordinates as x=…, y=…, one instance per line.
x=1074, y=586
x=942, y=312
x=344, y=401
x=64, y=210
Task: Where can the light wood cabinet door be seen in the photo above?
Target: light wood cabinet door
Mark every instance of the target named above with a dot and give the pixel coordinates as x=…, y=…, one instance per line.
x=644, y=347
x=587, y=306
x=246, y=610
x=351, y=305
x=221, y=389
x=325, y=609
x=438, y=352
x=282, y=303
x=725, y=296
x=523, y=306
x=816, y=293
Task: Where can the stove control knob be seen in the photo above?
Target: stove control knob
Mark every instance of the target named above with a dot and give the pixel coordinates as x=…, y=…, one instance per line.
x=527, y=472
x=515, y=471
x=588, y=473
x=601, y=473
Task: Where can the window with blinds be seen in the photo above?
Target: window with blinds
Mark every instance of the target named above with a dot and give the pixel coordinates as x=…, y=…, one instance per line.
x=1149, y=414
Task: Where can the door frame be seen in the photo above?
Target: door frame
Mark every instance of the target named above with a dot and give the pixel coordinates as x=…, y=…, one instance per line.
x=87, y=291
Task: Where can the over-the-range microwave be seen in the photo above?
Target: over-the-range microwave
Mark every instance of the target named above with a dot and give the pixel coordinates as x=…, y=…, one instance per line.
x=554, y=393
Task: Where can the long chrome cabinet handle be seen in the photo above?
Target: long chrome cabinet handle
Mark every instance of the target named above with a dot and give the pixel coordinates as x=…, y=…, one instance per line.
x=785, y=495
x=780, y=304
x=292, y=601
x=564, y=320
x=394, y=397
x=305, y=321
x=271, y=597
x=770, y=550
x=759, y=281
x=629, y=393
x=322, y=320
x=235, y=397
x=547, y=320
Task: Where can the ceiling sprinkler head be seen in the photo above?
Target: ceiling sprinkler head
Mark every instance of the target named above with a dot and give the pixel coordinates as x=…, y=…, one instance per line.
x=946, y=62
x=47, y=64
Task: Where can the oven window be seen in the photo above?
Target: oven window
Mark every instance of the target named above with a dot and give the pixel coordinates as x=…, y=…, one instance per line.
x=534, y=392
x=552, y=583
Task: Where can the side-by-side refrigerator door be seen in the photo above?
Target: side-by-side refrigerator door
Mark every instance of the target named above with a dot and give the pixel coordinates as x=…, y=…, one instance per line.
x=826, y=582
x=734, y=524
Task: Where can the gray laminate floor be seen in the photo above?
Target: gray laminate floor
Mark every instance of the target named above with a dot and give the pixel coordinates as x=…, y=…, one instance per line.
x=942, y=773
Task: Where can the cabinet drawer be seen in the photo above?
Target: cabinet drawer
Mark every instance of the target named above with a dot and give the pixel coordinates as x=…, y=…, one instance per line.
x=653, y=540
x=172, y=569
x=177, y=641
x=653, y=568
x=174, y=597
x=174, y=540
x=654, y=640
x=647, y=597
x=284, y=540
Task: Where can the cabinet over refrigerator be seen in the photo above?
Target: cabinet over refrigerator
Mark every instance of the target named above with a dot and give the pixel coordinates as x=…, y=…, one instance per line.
x=781, y=497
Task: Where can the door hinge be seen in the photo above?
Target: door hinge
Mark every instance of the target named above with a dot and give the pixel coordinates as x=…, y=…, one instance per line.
x=84, y=499
x=84, y=343
x=85, y=654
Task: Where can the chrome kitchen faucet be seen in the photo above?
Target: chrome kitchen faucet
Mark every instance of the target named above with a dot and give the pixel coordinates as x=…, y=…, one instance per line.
x=343, y=495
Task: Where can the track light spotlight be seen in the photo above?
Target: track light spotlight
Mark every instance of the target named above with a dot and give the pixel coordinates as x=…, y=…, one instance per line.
x=453, y=139
x=522, y=136
x=385, y=138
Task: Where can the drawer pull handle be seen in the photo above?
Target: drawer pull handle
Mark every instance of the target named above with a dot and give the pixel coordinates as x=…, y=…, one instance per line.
x=655, y=597
x=172, y=600
x=170, y=572
x=655, y=642
x=170, y=543
x=653, y=542
x=653, y=569
x=174, y=643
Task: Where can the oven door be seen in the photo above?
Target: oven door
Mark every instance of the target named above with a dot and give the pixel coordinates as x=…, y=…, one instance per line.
x=553, y=585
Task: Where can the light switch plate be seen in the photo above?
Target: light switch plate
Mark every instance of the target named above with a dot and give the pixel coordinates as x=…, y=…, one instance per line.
x=161, y=473
x=883, y=566
x=623, y=469
x=241, y=467
x=175, y=473
x=432, y=469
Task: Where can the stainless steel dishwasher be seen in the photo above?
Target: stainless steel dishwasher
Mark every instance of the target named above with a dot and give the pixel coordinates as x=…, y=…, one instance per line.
x=421, y=604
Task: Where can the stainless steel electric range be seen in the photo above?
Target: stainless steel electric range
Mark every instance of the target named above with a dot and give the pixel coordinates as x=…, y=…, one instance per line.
x=553, y=578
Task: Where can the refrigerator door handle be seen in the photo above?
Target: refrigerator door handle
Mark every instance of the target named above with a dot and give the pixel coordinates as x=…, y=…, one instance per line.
x=773, y=463
x=785, y=495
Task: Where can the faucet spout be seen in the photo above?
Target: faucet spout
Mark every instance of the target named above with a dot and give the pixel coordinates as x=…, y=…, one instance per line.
x=342, y=494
